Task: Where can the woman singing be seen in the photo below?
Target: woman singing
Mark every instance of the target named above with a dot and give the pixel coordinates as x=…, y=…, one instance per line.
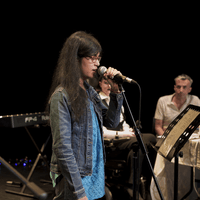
x=77, y=116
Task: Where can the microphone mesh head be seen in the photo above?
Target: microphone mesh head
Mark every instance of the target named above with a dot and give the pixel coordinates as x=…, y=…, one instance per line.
x=102, y=70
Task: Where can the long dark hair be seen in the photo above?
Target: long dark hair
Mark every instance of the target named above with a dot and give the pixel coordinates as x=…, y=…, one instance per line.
x=68, y=71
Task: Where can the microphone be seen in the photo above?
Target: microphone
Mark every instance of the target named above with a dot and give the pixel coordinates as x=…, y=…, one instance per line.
x=118, y=77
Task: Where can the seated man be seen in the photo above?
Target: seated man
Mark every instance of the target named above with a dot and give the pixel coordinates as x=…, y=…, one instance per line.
x=124, y=149
x=170, y=106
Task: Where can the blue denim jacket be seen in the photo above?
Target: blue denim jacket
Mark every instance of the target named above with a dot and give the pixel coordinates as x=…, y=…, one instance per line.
x=72, y=141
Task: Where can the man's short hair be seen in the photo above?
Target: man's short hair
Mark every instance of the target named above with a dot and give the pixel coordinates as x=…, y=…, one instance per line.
x=184, y=77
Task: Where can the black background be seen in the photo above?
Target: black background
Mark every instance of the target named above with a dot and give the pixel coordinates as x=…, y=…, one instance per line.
x=148, y=44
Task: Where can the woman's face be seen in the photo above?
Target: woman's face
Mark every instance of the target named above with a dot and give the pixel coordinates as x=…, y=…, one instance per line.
x=105, y=87
x=89, y=66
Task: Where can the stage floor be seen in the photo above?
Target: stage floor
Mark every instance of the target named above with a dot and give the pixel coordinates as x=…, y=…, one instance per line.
x=39, y=173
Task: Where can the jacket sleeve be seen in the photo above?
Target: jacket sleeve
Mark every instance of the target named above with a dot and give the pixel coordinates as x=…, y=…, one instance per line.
x=60, y=120
x=111, y=116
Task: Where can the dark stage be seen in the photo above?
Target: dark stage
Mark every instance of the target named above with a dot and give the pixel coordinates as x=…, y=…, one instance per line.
x=150, y=48
x=40, y=178
x=39, y=174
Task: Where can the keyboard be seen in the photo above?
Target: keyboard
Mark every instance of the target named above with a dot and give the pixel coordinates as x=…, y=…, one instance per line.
x=22, y=120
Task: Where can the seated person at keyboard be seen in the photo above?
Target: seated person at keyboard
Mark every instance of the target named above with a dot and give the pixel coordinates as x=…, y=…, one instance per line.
x=170, y=106
x=124, y=149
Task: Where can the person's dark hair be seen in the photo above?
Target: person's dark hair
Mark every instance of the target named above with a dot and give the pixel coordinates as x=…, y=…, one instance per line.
x=96, y=85
x=68, y=71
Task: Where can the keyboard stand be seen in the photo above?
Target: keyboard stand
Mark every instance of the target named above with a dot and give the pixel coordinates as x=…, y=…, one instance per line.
x=40, y=155
x=38, y=192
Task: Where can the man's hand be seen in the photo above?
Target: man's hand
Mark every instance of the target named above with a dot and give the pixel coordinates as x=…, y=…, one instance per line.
x=159, y=127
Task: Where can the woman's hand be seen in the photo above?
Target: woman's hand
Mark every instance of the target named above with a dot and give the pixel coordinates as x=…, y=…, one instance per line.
x=111, y=72
x=84, y=198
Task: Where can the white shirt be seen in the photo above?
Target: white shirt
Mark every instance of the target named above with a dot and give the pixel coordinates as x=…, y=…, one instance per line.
x=167, y=111
x=104, y=97
x=126, y=127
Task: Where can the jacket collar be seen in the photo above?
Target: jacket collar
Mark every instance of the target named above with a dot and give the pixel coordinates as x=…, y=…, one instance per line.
x=90, y=90
x=87, y=85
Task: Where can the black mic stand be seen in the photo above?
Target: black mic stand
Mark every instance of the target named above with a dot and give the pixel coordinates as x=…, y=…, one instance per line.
x=141, y=143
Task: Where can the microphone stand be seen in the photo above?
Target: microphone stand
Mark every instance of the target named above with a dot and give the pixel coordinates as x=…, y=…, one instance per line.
x=141, y=143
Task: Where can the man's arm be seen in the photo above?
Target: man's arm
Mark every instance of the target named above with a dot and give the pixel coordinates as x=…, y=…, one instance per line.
x=159, y=116
x=159, y=127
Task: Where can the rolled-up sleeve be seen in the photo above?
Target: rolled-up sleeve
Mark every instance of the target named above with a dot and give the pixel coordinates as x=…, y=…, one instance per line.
x=159, y=113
